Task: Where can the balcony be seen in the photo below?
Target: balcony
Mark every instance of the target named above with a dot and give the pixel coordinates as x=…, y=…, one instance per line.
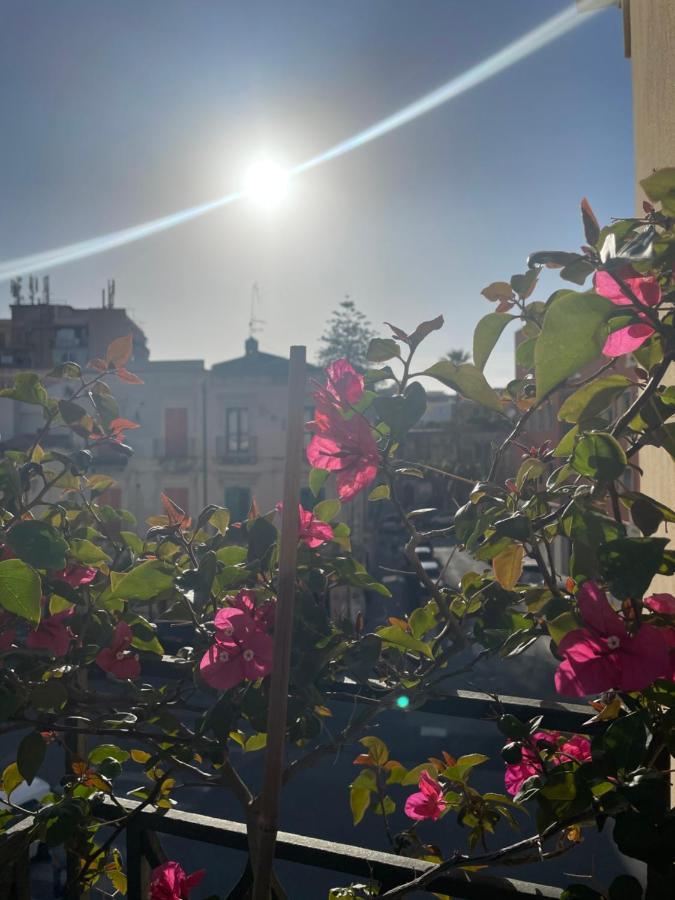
x=247, y=456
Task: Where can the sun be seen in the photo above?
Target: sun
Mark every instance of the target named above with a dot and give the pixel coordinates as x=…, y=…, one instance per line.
x=266, y=183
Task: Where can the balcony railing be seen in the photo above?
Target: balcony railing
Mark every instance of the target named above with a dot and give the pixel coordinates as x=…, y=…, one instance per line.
x=239, y=457
x=143, y=850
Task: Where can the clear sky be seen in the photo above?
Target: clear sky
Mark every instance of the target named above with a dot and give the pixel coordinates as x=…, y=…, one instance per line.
x=119, y=111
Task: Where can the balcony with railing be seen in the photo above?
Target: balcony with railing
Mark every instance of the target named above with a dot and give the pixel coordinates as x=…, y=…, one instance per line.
x=245, y=453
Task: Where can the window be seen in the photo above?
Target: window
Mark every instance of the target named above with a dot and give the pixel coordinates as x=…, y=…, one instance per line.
x=236, y=430
x=238, y=501
x=179, y=495
x=176, y=432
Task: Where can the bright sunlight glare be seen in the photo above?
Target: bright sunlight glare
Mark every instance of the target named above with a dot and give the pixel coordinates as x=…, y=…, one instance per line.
x=266, y=183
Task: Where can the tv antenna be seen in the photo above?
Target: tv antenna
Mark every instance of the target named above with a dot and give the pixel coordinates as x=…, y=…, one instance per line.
x=255, y=325
x=16, y=290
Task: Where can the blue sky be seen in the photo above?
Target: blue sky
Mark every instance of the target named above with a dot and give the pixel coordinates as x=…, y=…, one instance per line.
x=118, y=112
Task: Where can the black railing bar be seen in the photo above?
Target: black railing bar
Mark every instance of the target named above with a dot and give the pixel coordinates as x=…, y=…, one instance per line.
x=477, y=705
x=386, y=868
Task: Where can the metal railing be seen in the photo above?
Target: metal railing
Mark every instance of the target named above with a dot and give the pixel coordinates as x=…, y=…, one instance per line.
x=174, y=450
x=143, y=851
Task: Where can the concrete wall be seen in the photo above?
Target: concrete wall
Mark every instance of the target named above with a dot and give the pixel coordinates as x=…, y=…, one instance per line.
x=650, y=41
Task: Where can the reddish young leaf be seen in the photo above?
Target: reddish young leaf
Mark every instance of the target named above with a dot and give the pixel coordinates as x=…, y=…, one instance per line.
x=253, y=512
x=398, y=332
x=175, y=514
x=424, y=329
x=118, y=425
x=119, y=352
x=129, y=377
x=99, y=365
x=591, y=226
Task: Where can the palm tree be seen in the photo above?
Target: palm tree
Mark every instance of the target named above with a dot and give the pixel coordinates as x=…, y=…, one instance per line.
x=458, y=356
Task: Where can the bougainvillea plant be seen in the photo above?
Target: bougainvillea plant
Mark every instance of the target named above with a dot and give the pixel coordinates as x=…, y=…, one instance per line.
x=80, y=592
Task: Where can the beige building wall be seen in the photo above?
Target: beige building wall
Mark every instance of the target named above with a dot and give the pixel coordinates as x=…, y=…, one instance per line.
x=650, y=43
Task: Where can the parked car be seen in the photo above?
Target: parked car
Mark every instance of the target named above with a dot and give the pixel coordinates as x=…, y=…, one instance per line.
x=27, y=796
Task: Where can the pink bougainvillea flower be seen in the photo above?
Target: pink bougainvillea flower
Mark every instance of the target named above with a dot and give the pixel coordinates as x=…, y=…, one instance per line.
x=118, y=659
x=242, y=651
x=344, y=383
x=661, y=603
x=548, y=747
x=311, y=530
x=647, y=292
x=346, y=447
x=76, y=575
x=603, y=655
x=170, y=882
x=428, y=802
x=52, y=634
x=262, y=615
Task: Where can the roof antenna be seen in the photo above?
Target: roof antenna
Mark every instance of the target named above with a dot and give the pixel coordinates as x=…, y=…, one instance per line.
x=255, y=325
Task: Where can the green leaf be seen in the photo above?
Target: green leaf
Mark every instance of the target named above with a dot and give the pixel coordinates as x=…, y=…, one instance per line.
x=255, y=742
x=377, y=749
x=65, y=370
x=88, y=553
x=382, y=349
x=660, y=187
x=381, y=492
x=599, y=455
x=132, y=540
x=220, y=519
x=467, y=380
x=30, y=756
x=20, y=589
x=262, y=536
x=107, y=751
x=403, y=640
x=317, y=478
x=145, y=581
x=486, y=335
x=580, y=892
x=402, y=412
x=508, y=566
x=566, y=443
x=11, y=778
x=629, y=564
x=525, y=353
x=572, y=335
x=593, y=398
x=27, y=388
x=38, y=544
x=327, y=510
x=530, y=470
x=359, y=801
x=423, y=619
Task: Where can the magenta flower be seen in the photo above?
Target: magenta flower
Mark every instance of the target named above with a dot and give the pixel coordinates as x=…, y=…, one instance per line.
x=344, y=383
x=170, y=882
x=646, y=290
x=603, y=655
x=242, y=651
x=346, y=447
x=428, y=802
x=52, y=634
x=118, y=659
x=661, y=603
x=262, y=615
x=311, y=530
x=547, y=747
x=76, y=575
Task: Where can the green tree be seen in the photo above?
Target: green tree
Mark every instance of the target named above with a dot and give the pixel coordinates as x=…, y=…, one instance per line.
x=347, y=335
x=458, y=356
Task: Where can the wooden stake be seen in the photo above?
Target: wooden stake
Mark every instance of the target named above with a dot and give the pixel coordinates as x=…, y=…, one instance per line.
x=283, y=629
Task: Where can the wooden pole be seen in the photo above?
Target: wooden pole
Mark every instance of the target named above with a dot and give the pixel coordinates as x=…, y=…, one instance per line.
x=283, y=629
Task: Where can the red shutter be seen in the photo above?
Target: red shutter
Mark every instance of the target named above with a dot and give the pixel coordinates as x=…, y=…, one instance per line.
x=176, y=432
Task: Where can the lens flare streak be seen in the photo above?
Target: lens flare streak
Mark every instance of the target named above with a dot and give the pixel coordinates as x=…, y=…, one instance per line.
x=513, y=53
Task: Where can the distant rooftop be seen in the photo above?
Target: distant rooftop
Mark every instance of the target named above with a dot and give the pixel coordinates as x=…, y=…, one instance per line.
x=255, y=364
